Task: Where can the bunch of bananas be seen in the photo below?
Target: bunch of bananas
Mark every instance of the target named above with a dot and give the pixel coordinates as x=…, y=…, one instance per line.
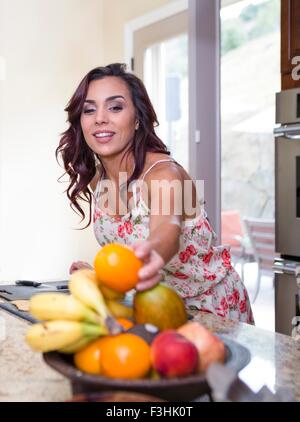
x=70, y=322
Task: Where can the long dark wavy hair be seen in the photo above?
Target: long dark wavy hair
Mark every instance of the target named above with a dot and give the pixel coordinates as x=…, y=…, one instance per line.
x=79, y=161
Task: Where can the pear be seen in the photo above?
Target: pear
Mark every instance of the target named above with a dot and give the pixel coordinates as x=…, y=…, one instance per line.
x=160, y=306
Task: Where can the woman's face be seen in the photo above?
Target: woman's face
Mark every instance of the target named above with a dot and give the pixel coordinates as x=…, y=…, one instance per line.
x=108, y=117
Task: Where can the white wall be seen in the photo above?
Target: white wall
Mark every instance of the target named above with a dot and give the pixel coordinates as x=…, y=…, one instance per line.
x=116, y=14
x=48, y=47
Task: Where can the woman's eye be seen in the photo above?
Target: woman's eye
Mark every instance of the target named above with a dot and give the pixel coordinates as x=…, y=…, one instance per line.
x=116, y=108
x=88, y=111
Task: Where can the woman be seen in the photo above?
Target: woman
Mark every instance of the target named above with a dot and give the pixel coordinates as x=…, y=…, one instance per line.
x=111, y=134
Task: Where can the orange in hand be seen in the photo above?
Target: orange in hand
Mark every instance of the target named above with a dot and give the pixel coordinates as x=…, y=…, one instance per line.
x=88, y=359
x=117, y=267
x=125, y=356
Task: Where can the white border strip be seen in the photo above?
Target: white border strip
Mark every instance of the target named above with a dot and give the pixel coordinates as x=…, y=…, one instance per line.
x=2, y=68
x=155, y=16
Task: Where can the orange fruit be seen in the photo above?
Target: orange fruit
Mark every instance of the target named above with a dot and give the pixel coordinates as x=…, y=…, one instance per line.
x=126, y=323
x=125, y=356
x=88, y=359
x=117, y=267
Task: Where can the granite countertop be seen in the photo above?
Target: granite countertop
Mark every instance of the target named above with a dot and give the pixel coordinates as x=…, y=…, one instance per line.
x=25, y=377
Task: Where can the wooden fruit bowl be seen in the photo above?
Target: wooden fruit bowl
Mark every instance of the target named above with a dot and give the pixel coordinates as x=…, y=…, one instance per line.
x=173, y=389
x=114, y=396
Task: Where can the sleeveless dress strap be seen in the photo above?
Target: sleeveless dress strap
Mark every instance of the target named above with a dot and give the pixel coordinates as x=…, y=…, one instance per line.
x=134, y=194
x=140, y=182
x=154, y=164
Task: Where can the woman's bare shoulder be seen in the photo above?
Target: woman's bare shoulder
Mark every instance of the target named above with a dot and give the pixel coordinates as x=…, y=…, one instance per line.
x=152, y=157
x=166, y=169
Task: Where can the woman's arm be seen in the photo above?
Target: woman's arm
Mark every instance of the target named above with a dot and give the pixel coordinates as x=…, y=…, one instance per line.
x=165, y=187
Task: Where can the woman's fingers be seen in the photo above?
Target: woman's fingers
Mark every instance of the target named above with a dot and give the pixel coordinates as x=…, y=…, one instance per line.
x=142, y=249
x=147, y=284
x=151, y=269
x=72, y=268
x=78, y=265
x=153, y=263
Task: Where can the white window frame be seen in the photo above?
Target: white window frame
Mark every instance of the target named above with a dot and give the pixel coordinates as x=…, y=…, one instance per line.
x=149, y=18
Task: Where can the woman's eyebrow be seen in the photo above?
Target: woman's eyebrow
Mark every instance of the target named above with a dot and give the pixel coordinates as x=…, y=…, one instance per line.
x=113, y=97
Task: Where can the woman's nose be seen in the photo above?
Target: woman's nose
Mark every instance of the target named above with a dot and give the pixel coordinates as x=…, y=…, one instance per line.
x=101, y=116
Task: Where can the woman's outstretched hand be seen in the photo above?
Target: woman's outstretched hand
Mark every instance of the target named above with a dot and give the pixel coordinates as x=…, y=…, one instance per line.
x=149, y=274
x=78, y=265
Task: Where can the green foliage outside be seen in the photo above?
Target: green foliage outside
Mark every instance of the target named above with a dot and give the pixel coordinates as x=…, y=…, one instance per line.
x=254, y=21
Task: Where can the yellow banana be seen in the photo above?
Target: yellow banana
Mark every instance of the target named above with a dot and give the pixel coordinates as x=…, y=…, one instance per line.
x=55, y=335
x=118, y=310
x=51, y=306
x=82, y=286
x=76, y=346
x=109, y=293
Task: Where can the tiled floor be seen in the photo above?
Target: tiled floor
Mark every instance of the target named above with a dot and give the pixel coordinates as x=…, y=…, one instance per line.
x=263, y=308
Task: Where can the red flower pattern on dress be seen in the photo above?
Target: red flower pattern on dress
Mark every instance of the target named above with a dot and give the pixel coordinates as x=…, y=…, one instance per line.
x=205, y=310
x=178, y=274
x=207, y=225
x=224, y=304
x=220, y=313
x=128, y=227
x=226, y=258
x=208, y=292
x=230, y=301
x=236, y=296
x=243, y=306
x=209, y=276
x=184, y=257
x=97, y=214
x=206, y=259
x=200, y=224
x=121, y=231
x=191, y=250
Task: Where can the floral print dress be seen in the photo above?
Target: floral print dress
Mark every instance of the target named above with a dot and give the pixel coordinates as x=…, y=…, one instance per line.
x=200, y=272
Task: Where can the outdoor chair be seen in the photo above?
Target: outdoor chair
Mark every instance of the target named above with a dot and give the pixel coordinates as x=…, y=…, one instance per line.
x=262, y=237
x=233, y=235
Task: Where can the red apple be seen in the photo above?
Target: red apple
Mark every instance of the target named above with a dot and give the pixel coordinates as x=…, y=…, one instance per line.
x=173, y=355
x=210, y=347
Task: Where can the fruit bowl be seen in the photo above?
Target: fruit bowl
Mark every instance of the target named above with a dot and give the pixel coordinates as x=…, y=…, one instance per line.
x=114, y=396
x=173, y=389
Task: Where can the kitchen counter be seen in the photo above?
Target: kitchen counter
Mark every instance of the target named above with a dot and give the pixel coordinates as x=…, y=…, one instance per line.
x=25, y=377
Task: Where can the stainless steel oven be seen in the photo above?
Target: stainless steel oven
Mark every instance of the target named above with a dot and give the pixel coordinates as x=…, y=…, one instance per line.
x=287, y=208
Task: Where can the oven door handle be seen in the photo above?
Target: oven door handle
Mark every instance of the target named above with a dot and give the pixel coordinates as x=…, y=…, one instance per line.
x=287, y=136
x=284, y=268
x=292, y=137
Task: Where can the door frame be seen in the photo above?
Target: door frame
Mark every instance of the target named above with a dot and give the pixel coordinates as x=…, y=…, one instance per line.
x=149, y=18
x=204, y=101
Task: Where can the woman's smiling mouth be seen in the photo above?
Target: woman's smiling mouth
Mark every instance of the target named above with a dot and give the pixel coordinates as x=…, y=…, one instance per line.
x=103, y=136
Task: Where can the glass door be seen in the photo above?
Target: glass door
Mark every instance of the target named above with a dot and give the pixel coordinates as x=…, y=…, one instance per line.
x=161, y=60
x=250, y=77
